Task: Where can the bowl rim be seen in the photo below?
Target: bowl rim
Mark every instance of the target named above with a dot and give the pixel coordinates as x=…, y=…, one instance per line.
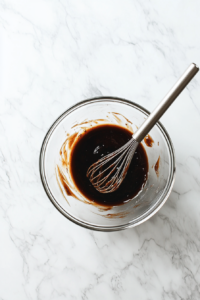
x=130, y=224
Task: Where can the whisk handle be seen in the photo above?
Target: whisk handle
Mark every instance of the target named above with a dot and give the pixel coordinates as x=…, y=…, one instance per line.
x=166, y=102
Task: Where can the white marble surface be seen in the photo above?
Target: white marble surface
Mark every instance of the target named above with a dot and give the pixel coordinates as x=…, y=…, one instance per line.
x=52, y=55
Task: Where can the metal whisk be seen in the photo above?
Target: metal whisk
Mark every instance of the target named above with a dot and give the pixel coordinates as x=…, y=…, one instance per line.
x=107, y=174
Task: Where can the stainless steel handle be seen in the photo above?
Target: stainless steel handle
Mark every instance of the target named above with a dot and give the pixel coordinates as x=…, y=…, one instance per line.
x=165, y=103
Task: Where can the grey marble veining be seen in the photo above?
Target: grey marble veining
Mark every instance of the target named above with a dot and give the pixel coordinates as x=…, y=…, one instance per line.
x=52, y=55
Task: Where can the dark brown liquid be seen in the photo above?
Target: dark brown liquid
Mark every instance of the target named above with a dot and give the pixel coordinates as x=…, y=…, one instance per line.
x=93, y=145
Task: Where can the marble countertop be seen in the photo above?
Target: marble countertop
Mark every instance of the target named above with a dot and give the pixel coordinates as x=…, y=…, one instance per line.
x=52, y=55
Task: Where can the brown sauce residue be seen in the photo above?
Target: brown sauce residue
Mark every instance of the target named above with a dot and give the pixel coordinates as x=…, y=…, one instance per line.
x=119, y=121
x=72, y=139
x=148, y=141
x=119, y=215
x=82, y=123
x=114, y=113
x=156, y=167
x=102, y=209
x=137, y=205
x=63, y=155
x=58, y=181
x=89, y=122
x=63, y=180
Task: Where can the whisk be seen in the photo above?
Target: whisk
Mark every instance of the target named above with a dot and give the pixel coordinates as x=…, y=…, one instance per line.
x=107, y=174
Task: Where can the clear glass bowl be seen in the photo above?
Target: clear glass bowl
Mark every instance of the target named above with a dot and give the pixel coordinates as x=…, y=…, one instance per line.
x=137, y=210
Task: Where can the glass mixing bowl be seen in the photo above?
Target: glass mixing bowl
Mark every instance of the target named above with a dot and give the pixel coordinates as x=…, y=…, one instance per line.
x=141, y=207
